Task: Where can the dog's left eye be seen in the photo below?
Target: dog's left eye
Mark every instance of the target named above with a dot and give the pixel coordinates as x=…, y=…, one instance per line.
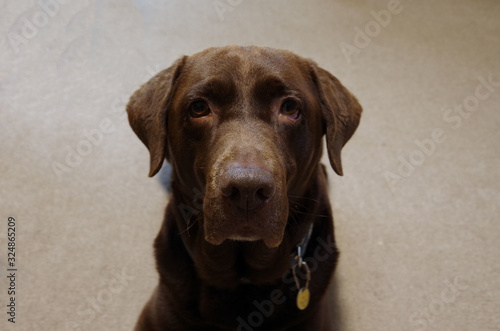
x=199, y=109
x=291, y=108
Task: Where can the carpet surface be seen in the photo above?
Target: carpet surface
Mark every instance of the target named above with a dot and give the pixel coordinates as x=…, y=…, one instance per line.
x=416, y=213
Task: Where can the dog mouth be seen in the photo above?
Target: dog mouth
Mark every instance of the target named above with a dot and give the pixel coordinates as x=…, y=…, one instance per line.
x=270, y=243
x=270, y=232
x=246, y=233
x=238, y=237
x=226, y=220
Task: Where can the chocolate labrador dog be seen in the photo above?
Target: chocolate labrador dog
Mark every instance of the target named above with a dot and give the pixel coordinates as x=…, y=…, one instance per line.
x=247, y=242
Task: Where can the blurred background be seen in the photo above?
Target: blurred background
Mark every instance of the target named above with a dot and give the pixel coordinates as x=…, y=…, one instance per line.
x=416, y=213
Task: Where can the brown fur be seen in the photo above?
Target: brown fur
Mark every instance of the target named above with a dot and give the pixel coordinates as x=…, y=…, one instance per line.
x=246, y=185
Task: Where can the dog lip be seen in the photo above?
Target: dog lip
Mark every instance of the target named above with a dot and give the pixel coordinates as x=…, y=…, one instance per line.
x=214, y=240
x=245, y=233
x=237, y=237
x=272, y=243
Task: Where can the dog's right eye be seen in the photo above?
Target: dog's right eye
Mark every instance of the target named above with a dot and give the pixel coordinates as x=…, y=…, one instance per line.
x=199, y=109
x=291, y=108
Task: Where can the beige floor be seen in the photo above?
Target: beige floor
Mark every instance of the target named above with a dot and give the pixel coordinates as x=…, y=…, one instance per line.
x=417, y=212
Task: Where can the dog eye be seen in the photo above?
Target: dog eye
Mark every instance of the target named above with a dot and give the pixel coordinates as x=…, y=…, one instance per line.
x=199, y=109
x=291, y=108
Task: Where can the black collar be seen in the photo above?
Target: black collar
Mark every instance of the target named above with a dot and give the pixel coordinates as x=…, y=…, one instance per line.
x=301, y=247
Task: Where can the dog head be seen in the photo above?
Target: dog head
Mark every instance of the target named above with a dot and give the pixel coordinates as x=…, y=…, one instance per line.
x=244, y=126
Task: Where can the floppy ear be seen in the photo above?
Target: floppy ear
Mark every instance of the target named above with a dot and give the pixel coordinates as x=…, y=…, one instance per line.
x=147, y=113
x=341, y=114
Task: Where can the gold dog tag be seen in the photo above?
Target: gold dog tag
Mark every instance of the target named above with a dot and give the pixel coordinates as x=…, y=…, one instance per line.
x=303, y=298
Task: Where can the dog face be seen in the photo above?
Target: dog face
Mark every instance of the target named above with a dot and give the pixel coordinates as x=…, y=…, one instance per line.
x=244, y=126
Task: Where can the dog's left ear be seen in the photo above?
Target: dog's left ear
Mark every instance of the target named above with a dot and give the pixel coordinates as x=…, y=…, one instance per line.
x=147, y=113
x=341, y=113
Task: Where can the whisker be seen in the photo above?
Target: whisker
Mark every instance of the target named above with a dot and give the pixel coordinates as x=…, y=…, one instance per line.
x=303, y=198
x=309, y=214
x=294, y=204
x=190, y=225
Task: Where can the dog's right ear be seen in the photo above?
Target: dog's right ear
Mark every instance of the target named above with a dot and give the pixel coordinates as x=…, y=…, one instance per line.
x=147, y=112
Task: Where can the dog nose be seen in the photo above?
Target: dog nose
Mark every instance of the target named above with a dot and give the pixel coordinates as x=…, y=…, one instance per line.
x=249, y=188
